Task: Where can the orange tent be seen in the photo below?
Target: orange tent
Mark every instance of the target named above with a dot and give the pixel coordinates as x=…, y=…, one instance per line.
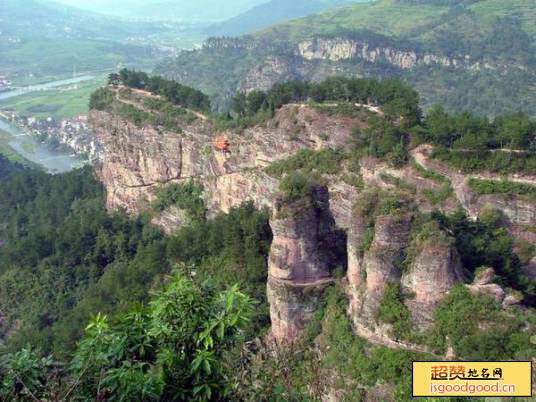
x=222, y=143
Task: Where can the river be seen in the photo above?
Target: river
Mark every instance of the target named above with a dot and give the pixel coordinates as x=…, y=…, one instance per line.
x=30, y=147
x=42, y=87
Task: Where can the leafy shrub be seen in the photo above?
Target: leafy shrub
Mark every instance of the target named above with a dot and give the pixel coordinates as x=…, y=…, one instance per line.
x=326, y=161
x=187, y=196
x=487, y=161
x=296, y=186
x=101, y=99
x=481, y=186
x=171, y=350
x=393, y=311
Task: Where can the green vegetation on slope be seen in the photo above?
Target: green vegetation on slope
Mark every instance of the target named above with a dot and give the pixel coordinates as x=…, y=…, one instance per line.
x=7, y=168
x=457, y=322
x=171, y=349
x=186, y=196
x=468, y=131
x=481, y=186
x=173, y=91
x=486, y=242
x=430, y=25
x=64, y=258
x=396, y=98
x=327, y=161
x=299, y=373
x=492, y=41
x=465, y=141
x=269, y=13
x=190, y=338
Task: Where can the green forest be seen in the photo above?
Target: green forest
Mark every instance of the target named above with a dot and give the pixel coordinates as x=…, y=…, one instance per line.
x=173, y=91
x=64, y=259
x=100, y=305
x=493, y=43
x=107, y=307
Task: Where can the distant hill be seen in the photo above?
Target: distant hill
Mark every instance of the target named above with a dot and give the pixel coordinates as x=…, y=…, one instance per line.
x=47, y=39
x=34, y=18
x=195, y=11
x=120, y=8
x=270, y=13
x=475, y=55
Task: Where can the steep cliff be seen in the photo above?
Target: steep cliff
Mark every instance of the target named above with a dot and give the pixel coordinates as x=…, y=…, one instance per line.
x=302, y=258
x=336, y=49
x=378, y=206
x=138, y=159
x=381, y=255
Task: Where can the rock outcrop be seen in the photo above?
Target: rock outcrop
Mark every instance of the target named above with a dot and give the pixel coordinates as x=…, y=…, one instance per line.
x=137, y=160
x=518, y=211
x=425, y=269
x=372, y=265
x=380, y=249
x=337, y=49
x=302, y=258
x=484, y=284
x=264, y=76
x=436, y=268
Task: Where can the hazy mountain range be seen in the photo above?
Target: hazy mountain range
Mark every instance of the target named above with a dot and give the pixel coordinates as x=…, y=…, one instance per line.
x=185, y=10
x=272, y=12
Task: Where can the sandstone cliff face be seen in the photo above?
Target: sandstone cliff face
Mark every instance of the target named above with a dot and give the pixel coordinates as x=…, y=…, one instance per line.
x=321, y=57
x=435, y=270
x=337, y=49
x=369, y=271
x=264, y=76
x=520, y=213
x=300, y=263
x=424, y=279
x=137, y=160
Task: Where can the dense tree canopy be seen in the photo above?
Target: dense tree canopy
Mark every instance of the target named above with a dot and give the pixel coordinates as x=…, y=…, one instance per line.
x=395, y=96
x=171, y=90
x=64, y=258
x=464, y=130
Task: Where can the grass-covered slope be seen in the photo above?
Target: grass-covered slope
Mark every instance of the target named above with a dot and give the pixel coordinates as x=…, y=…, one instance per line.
x=423, y=20
x=270, y=13
x=492, y=41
